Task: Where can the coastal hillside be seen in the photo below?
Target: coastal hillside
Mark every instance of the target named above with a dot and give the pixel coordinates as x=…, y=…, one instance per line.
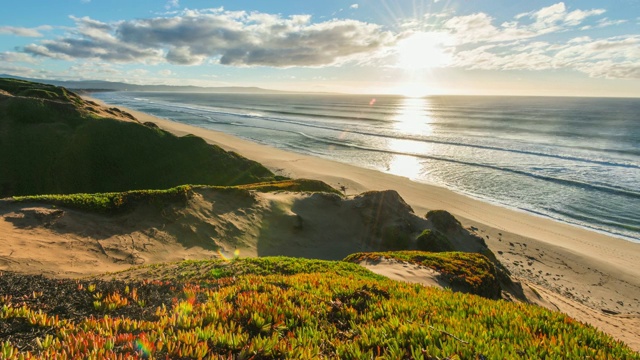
x=276, y=308
x=54, y=142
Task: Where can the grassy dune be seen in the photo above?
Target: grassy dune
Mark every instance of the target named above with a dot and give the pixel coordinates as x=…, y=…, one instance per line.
x=468, y=272
x=118, y=202
x=273, y=308
x=52, y=143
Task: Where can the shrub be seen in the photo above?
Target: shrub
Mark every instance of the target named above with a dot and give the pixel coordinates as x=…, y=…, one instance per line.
x=395, y=237
x=434, y=241
x=443, y=220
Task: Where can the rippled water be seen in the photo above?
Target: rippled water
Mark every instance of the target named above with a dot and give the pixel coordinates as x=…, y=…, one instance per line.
x=572, y=159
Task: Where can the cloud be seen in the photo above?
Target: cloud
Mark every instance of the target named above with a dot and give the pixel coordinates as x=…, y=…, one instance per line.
x=172, y=4
x=12, y=57
x=354, y=6
x=515, y=44
x=617, y=57
x=22, y=31
x=613, y=70
x=227, y=37
x=9, y=68
x=479, y=27
x=607, y=22
x=93, y=40
x=543, y=39
x=555, y=16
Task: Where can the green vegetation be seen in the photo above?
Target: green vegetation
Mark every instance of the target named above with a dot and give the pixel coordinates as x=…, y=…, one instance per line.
x=297, y=185
x=395, y=237
x=443, y=220
x=301, y=310
x=466, y=272
x=114, y=202
x=23, y=88
x=50, y=144
x=118, y=202
x=434, y=241
x=199, y=270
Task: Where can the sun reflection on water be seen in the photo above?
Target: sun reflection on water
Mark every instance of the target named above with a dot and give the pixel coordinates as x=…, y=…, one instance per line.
x=412, y=119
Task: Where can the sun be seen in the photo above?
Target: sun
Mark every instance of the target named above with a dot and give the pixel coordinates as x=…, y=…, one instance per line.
x=422, y=50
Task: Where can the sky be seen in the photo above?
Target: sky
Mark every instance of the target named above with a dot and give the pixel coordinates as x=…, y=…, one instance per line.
x=407, y=47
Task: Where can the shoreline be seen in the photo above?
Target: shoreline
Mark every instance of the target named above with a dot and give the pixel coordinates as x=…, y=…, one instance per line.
x=599, y=224
x=589, y=275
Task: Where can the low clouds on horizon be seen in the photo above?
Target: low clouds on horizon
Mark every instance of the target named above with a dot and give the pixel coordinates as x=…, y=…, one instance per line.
x=230, y=38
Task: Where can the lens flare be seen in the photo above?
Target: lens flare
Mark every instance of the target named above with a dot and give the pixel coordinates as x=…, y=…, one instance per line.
x=236, y=254
x=143, y=347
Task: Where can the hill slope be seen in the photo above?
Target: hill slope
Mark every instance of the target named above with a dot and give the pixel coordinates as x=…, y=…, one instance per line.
x=53, y=141
x=276, y=308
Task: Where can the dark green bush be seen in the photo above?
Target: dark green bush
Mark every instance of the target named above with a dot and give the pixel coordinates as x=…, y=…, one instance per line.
x=443, y=220
x=395, y=237
x=433, y=241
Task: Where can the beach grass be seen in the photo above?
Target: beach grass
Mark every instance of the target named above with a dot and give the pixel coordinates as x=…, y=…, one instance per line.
x=120, y=202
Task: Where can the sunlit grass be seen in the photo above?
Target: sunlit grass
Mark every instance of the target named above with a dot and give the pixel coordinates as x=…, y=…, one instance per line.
x=294, y=308
x=117, y=202
x=469, y=272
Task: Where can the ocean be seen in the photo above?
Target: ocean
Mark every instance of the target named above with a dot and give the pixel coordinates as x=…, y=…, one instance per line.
x=576, y=160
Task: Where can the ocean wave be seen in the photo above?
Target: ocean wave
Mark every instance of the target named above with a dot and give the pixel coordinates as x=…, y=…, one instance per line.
x=443, y=142
x=249, y=112
x=574, y=183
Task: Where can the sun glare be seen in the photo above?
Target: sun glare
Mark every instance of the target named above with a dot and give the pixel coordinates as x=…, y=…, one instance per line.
x=422, y=50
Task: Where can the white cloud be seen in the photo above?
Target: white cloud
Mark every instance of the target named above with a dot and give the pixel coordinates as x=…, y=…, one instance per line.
x=576, y=17
x=480, y=44
x=171, y=4
x=479, y=27
x=230, y=38
x=549, y=15
x=165, y=72
x=22, y=31
x=354, y=6
x=617, y=57
x=580, y=39
x=607, y=22
x=13, y=57
x=9, y=68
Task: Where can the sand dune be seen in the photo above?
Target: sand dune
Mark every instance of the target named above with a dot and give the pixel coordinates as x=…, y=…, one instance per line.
x=65, y=242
